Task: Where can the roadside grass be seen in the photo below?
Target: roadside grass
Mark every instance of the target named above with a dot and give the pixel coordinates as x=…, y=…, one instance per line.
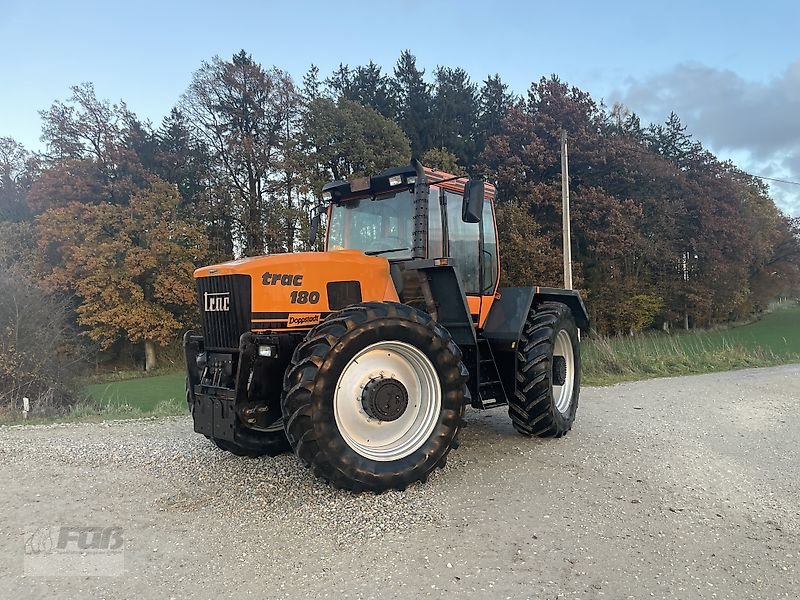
x=145, y=394
x=774, y=339
x=151, y=396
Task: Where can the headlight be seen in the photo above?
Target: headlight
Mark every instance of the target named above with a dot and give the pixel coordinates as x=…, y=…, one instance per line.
x=268, y=351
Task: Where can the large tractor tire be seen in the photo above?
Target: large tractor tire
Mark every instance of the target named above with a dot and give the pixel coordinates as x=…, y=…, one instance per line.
x=374, y=397
x=548, y=377
x=269, y=442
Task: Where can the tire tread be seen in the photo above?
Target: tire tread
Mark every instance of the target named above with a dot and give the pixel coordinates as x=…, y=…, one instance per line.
x=324, y=455
x=531, y=407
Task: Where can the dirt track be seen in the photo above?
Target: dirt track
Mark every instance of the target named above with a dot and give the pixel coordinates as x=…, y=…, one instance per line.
x=672, y=488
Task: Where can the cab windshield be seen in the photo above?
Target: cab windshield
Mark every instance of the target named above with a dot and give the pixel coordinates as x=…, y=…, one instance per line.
x=380, y=225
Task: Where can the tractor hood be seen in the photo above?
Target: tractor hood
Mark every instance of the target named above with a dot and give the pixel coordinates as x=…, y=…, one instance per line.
x=299, y=289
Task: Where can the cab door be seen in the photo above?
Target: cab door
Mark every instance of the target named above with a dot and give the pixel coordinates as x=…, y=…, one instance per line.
x=464, y=250
x=473, y=251
x=490, y=260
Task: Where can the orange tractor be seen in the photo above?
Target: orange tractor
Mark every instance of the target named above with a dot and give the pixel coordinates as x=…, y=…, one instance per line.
x=362, y=358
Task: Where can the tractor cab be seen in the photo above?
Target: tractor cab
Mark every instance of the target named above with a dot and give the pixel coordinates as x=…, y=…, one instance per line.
x=454, y=219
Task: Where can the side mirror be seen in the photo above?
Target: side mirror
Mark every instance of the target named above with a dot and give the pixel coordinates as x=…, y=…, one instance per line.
x=472, y=203
x=313, y=230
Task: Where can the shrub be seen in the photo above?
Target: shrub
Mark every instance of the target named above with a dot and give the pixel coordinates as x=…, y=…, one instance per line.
x=40, y=355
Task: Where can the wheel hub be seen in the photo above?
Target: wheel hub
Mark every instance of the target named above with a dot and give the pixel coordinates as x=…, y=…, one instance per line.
x=384, y=399
x=559, y=370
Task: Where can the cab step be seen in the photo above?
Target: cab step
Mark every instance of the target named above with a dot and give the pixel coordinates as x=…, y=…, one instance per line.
x=491, y=390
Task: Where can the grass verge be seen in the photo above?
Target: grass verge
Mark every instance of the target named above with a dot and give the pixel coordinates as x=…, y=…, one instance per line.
x=152, y=396
x=772, y=340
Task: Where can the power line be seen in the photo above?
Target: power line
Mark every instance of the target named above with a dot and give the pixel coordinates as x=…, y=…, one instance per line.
x=773, y=179
x=648, y=152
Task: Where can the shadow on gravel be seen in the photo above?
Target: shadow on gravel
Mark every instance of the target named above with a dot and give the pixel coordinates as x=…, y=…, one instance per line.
x=281, y=493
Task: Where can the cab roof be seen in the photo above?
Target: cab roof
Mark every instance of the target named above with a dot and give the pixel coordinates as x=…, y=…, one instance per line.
x=454, y=185
x=380, y=182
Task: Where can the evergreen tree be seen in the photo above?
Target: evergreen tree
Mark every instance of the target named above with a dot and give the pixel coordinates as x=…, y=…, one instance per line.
x=141, y=139
x=366, y=85
x=374, y=89
x=671, y=141
x=312, y=86
x=413, y=102
x=495, y=101
x=340, y=83
x=455, y=111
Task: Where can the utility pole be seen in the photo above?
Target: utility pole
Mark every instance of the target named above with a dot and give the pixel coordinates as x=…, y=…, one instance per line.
x=566, y=238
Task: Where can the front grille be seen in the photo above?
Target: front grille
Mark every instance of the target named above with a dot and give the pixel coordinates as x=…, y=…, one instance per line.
x=225, y=309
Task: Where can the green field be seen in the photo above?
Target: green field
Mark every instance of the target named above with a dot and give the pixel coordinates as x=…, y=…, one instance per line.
x=773, y=339
x=158, y=395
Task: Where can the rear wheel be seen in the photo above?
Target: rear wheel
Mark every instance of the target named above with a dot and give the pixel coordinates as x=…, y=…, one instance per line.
x=374, y=397
x=548, y=376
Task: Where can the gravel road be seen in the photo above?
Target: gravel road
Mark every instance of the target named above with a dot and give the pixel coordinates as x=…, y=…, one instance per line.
x=670, y=488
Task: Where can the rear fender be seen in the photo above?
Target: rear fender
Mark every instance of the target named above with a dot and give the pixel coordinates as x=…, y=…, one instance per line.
x=508, y=315
x=510, y=310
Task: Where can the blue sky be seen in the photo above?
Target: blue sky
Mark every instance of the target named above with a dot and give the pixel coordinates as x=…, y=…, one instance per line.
x=730, y=69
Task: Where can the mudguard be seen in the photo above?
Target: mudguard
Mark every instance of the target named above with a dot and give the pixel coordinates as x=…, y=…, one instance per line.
x=509, y=312
x=507, y=318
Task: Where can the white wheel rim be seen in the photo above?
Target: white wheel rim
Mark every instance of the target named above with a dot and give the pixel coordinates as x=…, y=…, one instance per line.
x=388, y=440
x=562, y=394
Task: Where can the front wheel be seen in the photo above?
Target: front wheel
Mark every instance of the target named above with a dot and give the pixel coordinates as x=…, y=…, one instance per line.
x=548, y=374
x=270, y=441
x=374, y=397
x=253, y=444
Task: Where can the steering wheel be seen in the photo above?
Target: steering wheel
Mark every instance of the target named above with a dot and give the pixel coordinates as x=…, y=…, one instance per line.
x=387, y=243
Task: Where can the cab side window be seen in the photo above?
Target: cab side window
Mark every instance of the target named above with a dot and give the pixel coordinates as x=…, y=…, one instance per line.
x=434, y=224
x=464, y=244
x=490, y=259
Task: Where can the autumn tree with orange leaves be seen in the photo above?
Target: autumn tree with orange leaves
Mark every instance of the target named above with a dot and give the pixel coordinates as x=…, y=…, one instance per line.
x=129, y=265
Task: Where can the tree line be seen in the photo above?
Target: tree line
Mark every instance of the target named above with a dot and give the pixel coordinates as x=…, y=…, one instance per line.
x=116, y=212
